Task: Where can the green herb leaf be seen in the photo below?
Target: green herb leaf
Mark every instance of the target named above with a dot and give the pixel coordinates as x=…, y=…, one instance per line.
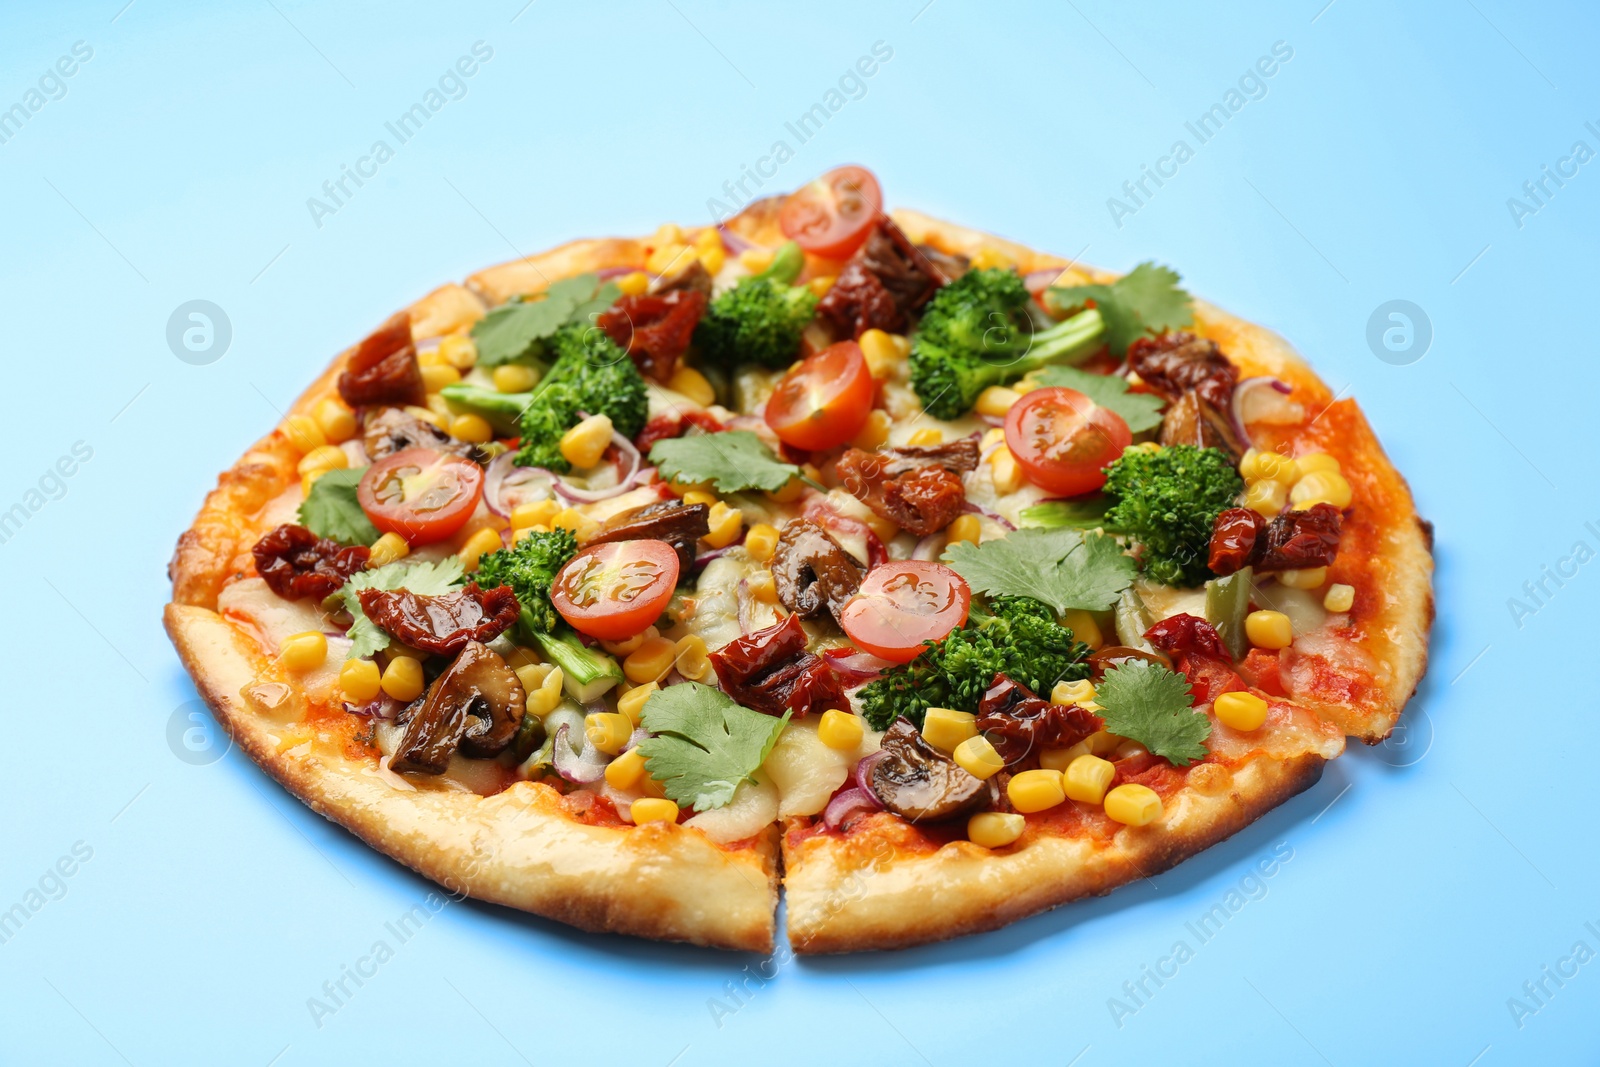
x=733, y=460
x=332, y=510
x=705, y=744
x=1141, y=411
x=424, y=579
x=1145, y=300
x=1151, y=704
x=512, y=333
x=1065, y=568
x=1084, y=513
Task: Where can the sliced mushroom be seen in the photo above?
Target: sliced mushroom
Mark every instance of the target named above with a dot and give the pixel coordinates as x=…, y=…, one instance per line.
x=957, y=457
x=693, y=276
x=812, y=572
x=921, y=784
x=476, y=705
x=390, y=430
x=1194, y=420
x=679, y=525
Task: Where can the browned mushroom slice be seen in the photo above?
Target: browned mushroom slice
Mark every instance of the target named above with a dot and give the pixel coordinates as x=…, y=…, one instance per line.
x=1193, y=420
x=390, y=430
x=957, y=457
x=679, y=525
x=692, y=277
x=476, y=705
x=921, y=784
x=812, y=572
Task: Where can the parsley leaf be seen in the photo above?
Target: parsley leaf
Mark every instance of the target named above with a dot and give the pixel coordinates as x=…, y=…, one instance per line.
x=732, y=460
x=1151, y=704
x=424, y=579
x=1146, y=299
x=1067, y=569
x=1141, y=411
x=705, y=744
x=332, y=510
x=512, y=333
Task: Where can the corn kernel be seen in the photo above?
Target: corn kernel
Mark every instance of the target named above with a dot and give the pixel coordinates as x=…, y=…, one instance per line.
x=991, y=259
x=543, y=698
x=902, y=344
x=653, y=809
x=650, y=661
x=485, y=540
x=438, y=375
x=1276, y=467
x=1087, y=778
x=725, y=524
x=713, y=258
x=1059, y=759
x=669, y=259
x=840, y=730
x=625, y=771
x=629, y=644
x=792, y=490
x=534, y=513
x=883, y=529
x=1266, y=497
x=700, y=496
x=756, y=260
x=1083, y=627
x=520, y=532
x=821, y=284
x=521, y=656
x=880, y=352
x=472, y=428
x=581, y=525
x=430, y=358
x=634, y=283
x=708, y=237
x=763, y=586
x=668, y=233
x=303, y=651
x=1317, y=461
x=1006, y=471
x=1133, y=805
x=402, y=679
x=1241, y=711
x=633, y=701
x=427, y=415
x=1247, y=465
x=514, y=378
x=963, y=528
x=1306, y=578
x=323, y=459
x=995, y=829
x=1037, y=790
x=692, y=384
x=584, y=444
x=761, y=542
x=996, y=400
x=359, y=678
x=305, y=433
x=608, y=731
x=691, y=660
x=873, y=432
x=1268, y=629
x=387, y=549
x=1320, y=487
x=925, y=436
x=944, y=729
x=459, y=351
x=1340, y=597
x=1080, y=693
x=978, y=757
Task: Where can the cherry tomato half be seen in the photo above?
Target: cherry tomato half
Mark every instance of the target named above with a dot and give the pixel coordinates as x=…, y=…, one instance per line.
x=1063, y=440
x=824, y=400
x=420, y=494
x=831, y=216
x=900, y=605
x=615, y=590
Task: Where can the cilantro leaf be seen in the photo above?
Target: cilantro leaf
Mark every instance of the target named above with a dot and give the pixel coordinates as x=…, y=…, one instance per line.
x=331, y=509
x=1141, y=411
x=1151, y=704
x=512, y=333
x=424, y=579
x=705, y=744
x=732, y=460
x=1146, y=299
x=1066, y=568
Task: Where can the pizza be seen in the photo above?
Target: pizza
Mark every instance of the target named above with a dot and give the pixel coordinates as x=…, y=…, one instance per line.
x=932, y=579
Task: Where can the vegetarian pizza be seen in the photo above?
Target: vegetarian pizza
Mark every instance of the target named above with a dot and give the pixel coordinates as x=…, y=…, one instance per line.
x=941, y=580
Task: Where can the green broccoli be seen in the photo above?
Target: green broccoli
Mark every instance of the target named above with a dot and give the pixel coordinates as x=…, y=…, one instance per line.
x=978, y=331
x=760, y=319
x=1167, y=500
x=1017, y=636
x=590, y=374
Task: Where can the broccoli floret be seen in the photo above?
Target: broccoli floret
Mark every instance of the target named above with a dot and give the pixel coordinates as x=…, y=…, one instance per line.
x=1018, y=637
x=977, y=332
x=590, y=374
x=1167, y=500
x=760, y=320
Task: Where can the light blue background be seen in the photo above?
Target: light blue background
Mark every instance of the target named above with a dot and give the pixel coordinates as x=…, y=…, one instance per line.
x=1430, y=879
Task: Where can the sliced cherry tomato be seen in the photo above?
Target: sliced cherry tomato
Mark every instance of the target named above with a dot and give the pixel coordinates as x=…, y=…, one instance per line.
x=900, y=605
x=824, y=400
x=1063, y=440
x=617, y=589
x=420, y=494
x=831, y=216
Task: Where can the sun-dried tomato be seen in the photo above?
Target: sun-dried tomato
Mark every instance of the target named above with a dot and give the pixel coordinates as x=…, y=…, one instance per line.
x=1176, y=363
x=886, y=280
x=655, y=328
x=1233, y=539
x=297, y=563
x=1019, y=724
x=384, y=368
x=1187, y=634
x=924, y=501
x=1261, y=669
x=1293, y=540
x=770, y=671
x=858, y=302
x=445, y=623
x=673, y=424
x=917, y=489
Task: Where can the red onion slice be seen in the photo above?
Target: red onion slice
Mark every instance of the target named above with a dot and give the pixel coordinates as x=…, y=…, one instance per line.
x=848, y=805
x=864, y=773
x=605, y=274
x=929, y=547
x=501, y=473
x=1241, y=395
x=856, y=668
x=732, y=242
x=993, y=516
x=580, y=768
x=1039, y=280
x=625, y=483
x=383, y=706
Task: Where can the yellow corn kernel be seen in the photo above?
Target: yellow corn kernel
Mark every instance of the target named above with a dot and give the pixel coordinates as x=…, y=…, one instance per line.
x=995, y=829
x=820, y=285
x=669, y=259
x=543, y=699
x=763, y=586
x=427, y=415
x=1266, y=497
x=584, y=444
x=387, y=549
x=791, y=491
x=634, y=284
x=1087, y=778
x=485, y=540
x=524, y=531
x=629, y=644
x=690, y=658
x=514, y=378
x=338, y=422
x=668, y=233
x=359, y=679
x=1133, y=805
x=840, y=730
x=963, y=528
x=1084, y=628
x=1276, y=467
x=1059, y=759
x=441, y=407
x=880, y=352
x=653, y=809
x=725, y=523
x=692, y=384
x=430, y=358
x=323, y=459
x=756, y=260
x=1247, y=465
x=303, y=651
x=625, y=771
x=534, y=513
x=996, y=400
x=472, y=428
x=1268, y=629
x=521, y=656
x=902, y=344
x=608, y=730
x=713, y=258
x=1080, y=693
x=1306, y=578
x=1320, y=487
x=402, y=678
x=925, y=436
x=873, y=432
x=1340, y=597
x=438, y=375
x=650, y=661
x=459, y=351
x=633, y=701
x=305, y=433
x=944, y=728
x=1037, y=790
x=991, y=258
x=1317, y=461
x=1006, y=471
x=1241, y=711
x=530, y=672
x=884, y=529
x=761, y=542
x=699, y=496
x=978, y=758
x=581, y=525
x=708, y=237
x=991, y=437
